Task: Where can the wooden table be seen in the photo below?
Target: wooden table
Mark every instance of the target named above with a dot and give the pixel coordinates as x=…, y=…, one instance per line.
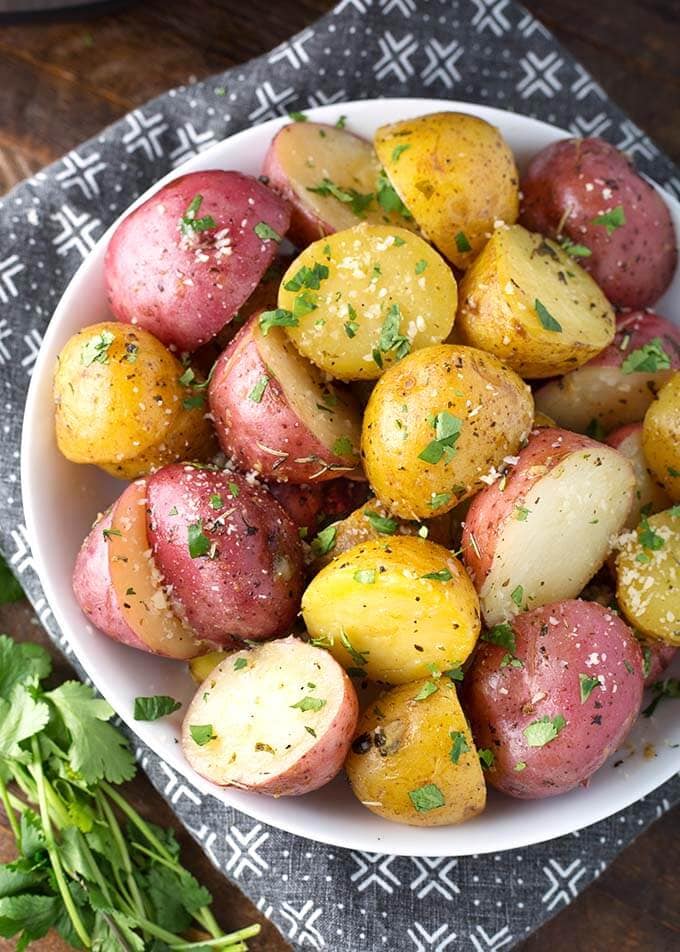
x=63, y=78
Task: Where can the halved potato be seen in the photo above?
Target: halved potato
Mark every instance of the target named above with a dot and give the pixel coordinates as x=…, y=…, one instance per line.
x=331, y=177
x=661, y=437
x=648, y=576
x=277, y=719
x=457, y=176
x=527, y=301
x=391, y=609
x=361, y=299
x=414, y=760
x=538, y=536
x=205, y=664
x=276, y=414
x=138, y=584
x=649, y=493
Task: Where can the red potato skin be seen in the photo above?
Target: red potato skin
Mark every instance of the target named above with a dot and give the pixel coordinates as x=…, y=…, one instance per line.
x=555, y=643
x=635, y=263
x=153, y=280
x=660, y=657
x=633, y=331
x=252, y=587
x=244, y=427
x=308, y=506
x=491, y=507
x=94, y=591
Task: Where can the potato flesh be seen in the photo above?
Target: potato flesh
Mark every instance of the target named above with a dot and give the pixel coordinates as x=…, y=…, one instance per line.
x=138, y=583
x=205, y=664
x=309, y=152
x=305, y=389
x=499, y=313
x=661, y=437
x=574, y=511
x=412, y=276
x=258, y=731
x=648, y=580
x=403, y=745
x=649, y=495
x=400, y=622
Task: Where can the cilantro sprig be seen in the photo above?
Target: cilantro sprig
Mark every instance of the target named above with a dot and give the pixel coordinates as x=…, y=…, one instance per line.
x=648, y=359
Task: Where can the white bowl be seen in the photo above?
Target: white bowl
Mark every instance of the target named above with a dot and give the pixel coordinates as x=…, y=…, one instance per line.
x=61, y=500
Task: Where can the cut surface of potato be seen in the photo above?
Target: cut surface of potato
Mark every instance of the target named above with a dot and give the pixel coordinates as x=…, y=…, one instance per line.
x=413, y=760
x=648, y=576
x=456, y=175
x=278, y=719
x=139, y=585
x=439, y=425
x=359, y=300
x=330, y=176
x=205, y=664
x=542, y=536
x=525, y=300
x=649, y=493
x=392, y=609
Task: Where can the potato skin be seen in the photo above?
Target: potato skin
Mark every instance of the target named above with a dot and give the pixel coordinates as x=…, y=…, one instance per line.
x=251, y=587
x=119, y=403
x=457, y=176
x=661, y=437
x=569, y=184
x=184, y=290
x=555, y=645
x=648, y=577
x=403, y=744
x=649, y=493
x=378, y=599
x=493, y=403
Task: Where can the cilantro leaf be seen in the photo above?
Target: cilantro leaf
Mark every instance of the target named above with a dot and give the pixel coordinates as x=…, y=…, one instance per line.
x=501, y=635
x=459, y=746
x=390, y=338
x=462, y=243
x=382, y=524
x=649, y=358
x=197, y=541
x=611, y=220
x=647, y=537
x=21, y=663
x=388, y=198
x=306, y=277
x=447, y=430
x=29, y=914
x=265, y=232
x=277, y=318
x=427, y=797
x=324, y=541
x=21, y=717
x=349, y=196
x=310, y=704
x=575, y=250
x=343, y=447
x=97, y=750
x=189, y=224
x=545, y=729
x=10, y=590
x=427, y=689
x=258, y=390
x=546, y=318
x=669, y=688
x=154, y=707
x=487, y=758
x=586, y=686
x=443, y=575
x=202, y=734
x=96, y=350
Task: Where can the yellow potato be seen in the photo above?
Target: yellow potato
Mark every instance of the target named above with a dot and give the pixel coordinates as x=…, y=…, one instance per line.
x=648, y=576
x=382, y=292
x=528, y=302
x=457, y=176
x=119, y=403
x=414, y=761
x=661, y=437
x=203, y=665
x=438, y=425
x=394, y=607
x=542, y=419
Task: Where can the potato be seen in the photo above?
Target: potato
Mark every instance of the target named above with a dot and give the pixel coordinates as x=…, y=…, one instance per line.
x=552, y=696
x=438, y=425
x=661, y=437
x=277, y=719
x=539, y=535
x=414, y=760
x=393, y=608
x=359, y=300
x=229, y=552
x=648, y=576
x=310, y=506
x=275, y=413
x=617, y=386
x=456, y=175
x=586, y=193
x=182, y=263
x=649, y=494
x=119, y=403
x=205, y=664
x=526, y=301
x=656, y=657
x=118, y=586
x=332, y=179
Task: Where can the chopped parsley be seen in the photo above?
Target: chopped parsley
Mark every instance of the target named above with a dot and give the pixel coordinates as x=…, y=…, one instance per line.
x=501, y=635
x=442, y=576
x=420, y=266
x=202, y=734
x=357, y=201
x=670, y=688
x=611, y=220
x=359, y=657
x=310, y=704
x=277, y=318
x=304, y=304
x=96, y=350
x=427, y=797
x=189, y=224
x=487, y=758
x=521, y=513
x=341, y=123
x=240, y=664
x=365, y=576
x=110, y=533
x=382, y=524
x=575, y=250
x=388, y=199
x=216, y=501
x=545, y=729
x=195, y=402
x=586, y=686
x=462, y=244
x=517, y=595
x=647, y=537
x=258, y=390
x=399, y=150
x=390, y=338
x=427, y=689
x=266, y=232
x=546, y=318
x=447, y=428
x=459, y=746
x=324, y=541
x=438, y=499
x=343, y=447
x=234, y=490
x=199, y=544
x=298, y=116
x=520, y=766
x=649, y=358
x=310, y=278
x=152, y=708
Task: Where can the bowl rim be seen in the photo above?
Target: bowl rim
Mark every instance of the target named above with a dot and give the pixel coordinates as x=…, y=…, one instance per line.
x=257, y=806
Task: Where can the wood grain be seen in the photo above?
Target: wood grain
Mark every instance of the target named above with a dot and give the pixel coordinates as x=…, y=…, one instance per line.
x=65, y=77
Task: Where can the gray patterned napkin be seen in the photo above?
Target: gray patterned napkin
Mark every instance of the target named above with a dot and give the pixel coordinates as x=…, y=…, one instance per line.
x=487, y=51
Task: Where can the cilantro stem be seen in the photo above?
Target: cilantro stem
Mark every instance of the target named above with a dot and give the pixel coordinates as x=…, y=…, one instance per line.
x=233, y=937
x=67, y=898
x=124, y=854
x=4, y=796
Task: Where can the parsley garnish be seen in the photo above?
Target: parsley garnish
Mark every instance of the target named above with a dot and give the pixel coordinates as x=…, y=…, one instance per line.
x=304, y=304
x=234, y=490
x=520, y=766
x=216, y=501
x=96, y=350
x=501, y=635
x=189, y=224
x=341, y=123
x=546, y=318
x=399, y=150
x=427, y=689
x=462, y=244
x=258, y=390
x=575, y=250
x=343, y=447
x=443, y=575
x=521, y=513
x=310, y=278
x=359, y=657
x=240, y=664
x=388, y=199
x=382, y=524
x=458, y=747
x=365, y=576
x=390, y=338
x=310, y=704
x=611, y=220
x=277, y=318
x=517, y=595
x=348, y=196
x=649, y=358
x=438, y=499
x=647, y=537
x=670, y=688
x=111, y=533
x=199, y=544
x=586, y=686
x=266, y=232
x=545, y=729
x=324, y=541
x=427, y=797
x=202, y=734
x=420, y=266
x=152, y=708
x=487, y=758
x=298, y=116
x=447, y=430
x=10, y=590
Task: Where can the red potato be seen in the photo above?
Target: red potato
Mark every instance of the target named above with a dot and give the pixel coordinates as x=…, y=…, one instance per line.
x=275, y=414
x=656, y=657
x=278, y=719
x=231, y=554
x=649, y=494
x=587, y=192
x=305, y=155
x=307, y=505
x=182, y=264
x=608, y=391
x=539, y=535
x=553, y=697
